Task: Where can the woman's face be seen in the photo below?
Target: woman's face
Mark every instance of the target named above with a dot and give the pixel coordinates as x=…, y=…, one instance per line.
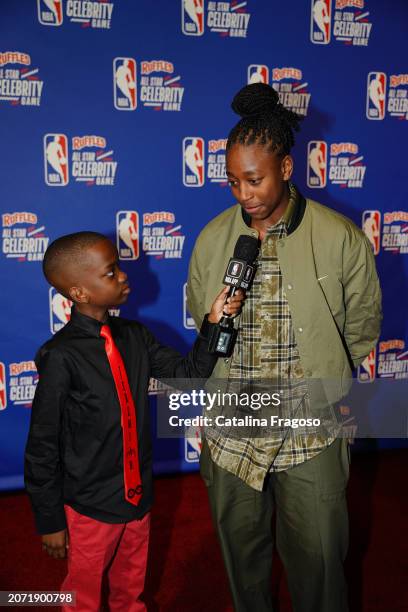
x=258, y=180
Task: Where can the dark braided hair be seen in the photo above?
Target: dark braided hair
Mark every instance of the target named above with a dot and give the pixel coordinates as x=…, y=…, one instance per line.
x=264, y=120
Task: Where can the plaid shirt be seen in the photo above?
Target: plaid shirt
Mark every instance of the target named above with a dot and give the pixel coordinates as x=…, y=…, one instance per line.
x=266, y=350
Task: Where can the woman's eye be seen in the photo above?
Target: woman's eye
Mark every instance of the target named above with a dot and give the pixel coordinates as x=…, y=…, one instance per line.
x=111, y=273
x=232, y=183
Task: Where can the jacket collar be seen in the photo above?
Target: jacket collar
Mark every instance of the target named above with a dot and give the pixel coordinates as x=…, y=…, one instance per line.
x=293, y=214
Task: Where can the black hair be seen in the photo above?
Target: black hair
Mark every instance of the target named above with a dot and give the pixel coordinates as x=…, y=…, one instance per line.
x=264, y=120
x=67, y=250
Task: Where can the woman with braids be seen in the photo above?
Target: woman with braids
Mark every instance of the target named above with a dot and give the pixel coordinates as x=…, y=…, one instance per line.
x=313, y=313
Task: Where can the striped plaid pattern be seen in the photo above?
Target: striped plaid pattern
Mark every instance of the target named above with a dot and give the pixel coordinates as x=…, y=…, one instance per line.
x=266, y=350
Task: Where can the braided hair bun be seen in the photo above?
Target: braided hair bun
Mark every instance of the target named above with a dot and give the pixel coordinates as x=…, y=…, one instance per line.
x=255, y=99
x=264, y=120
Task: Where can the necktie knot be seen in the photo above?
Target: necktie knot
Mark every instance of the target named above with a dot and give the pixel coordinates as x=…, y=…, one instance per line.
x=106, y=332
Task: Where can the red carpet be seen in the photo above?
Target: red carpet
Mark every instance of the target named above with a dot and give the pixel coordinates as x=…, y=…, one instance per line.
x=186, y=572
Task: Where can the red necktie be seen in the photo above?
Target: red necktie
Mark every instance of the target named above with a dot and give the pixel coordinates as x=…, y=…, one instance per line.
x=131, y=470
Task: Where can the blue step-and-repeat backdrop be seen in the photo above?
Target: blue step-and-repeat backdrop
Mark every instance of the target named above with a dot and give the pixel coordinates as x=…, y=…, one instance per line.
x=114, y=118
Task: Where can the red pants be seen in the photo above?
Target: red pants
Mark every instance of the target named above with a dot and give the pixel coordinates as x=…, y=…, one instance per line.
x=97, y=549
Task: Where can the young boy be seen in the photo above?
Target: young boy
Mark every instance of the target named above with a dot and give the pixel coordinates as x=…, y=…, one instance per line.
x=88, y=464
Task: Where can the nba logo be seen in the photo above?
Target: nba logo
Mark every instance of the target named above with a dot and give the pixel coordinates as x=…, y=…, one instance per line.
x=188, y=320
x=127, y=234
x=320, y=22
x=3, y=389
x=192, y=445
x=258, y=73
x=376, y=90
x=60, y=310
x=124, y=83
x=371, y=224
x=316, y=164
x=193, y=162
x=50, y=12
x=366, y=371
x=56, y=160
x=192, y=17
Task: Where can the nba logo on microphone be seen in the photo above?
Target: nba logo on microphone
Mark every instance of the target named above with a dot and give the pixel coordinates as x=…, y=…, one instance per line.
x=366, y=371
x=50, y=12
x=56, y=160
x=316, y=164
x=192, y=17
x=127, y=234
x=3, y=387
x=258, y=73
x=371, y=223
x=60, y=310
x=376, y=92
x=124, y=83
x=193, y=162
x=320, y=22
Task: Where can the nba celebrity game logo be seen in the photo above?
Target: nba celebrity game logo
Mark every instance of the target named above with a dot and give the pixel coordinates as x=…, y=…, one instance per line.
x=348, y=24
x=379, y=104
x=227, y=19
x=160, y=87
x=161, y=236
x=344, y=167
x=87, y=13
x=395, y=232
x=23, y=237
x=91, y=162
x=20, y=83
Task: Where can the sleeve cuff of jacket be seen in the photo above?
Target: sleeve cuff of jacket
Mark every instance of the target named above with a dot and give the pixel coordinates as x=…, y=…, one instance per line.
x=46, y=523
x=206, y=328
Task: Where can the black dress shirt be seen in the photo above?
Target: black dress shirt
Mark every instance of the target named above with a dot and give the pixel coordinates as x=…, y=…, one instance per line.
x=74, y=452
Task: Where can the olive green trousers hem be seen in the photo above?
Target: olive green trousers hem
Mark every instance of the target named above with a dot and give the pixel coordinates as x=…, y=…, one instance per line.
x=311, y=531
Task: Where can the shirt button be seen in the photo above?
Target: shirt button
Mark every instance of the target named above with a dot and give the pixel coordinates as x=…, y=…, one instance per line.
x=226, y=360
x=300, y=329
x=281, y=243
x=290, y=286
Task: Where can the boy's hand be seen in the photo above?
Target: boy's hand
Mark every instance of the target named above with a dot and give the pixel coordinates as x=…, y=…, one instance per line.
x=56, y=544
x=232, y=307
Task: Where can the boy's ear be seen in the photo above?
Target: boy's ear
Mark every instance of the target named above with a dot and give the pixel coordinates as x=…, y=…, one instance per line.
x=78, y=295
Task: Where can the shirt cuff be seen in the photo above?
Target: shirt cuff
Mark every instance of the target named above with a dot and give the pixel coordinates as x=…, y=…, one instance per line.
x=50, y=523
x=206, y=328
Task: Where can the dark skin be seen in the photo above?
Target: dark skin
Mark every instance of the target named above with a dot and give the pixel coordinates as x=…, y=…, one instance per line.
x=259, y=181
x=96, y=284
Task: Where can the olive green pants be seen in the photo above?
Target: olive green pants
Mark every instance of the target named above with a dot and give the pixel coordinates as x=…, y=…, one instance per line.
x=311, y=531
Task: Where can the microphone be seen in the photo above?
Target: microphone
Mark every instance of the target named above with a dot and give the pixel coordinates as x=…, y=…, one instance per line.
x=239, y=274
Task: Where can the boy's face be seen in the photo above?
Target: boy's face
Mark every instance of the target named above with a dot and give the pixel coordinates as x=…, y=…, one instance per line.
x=100, y=281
